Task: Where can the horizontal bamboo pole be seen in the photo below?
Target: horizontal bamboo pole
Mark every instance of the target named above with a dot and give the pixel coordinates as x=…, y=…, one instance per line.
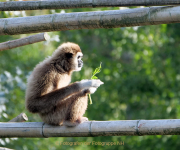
x=67, y=4
x=24, y=41
x=90, y=20
x=92, y=128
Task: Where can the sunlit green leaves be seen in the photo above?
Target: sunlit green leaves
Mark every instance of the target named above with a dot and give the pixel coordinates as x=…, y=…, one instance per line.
x=96, y=71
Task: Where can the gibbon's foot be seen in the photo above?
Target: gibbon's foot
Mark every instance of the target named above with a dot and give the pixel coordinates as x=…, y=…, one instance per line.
x=73, y=124
x=82, y=119
x=70, y=124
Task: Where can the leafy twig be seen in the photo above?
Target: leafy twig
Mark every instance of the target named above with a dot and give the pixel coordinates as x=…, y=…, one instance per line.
x=96, y=71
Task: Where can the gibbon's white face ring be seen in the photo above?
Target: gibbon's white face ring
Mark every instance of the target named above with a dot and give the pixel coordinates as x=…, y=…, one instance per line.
x=78, y=62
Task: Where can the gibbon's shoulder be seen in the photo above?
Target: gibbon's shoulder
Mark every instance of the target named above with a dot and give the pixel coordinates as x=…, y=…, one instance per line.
x=42, y=68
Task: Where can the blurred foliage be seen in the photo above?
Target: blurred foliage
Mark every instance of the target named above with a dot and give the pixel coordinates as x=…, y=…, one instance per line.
x=140, y=71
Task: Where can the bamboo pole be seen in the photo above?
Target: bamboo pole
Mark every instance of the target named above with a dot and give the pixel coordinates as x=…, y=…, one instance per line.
x=92, y=128
x=20, y=118
x=67, y=4
x=24, y=41
x=4, y=148
x=90, y=20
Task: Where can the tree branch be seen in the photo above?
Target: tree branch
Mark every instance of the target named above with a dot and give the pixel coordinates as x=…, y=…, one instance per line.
x=24, y=41
x=67, y=4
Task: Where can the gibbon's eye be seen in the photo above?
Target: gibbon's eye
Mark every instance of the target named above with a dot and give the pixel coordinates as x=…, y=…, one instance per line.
x=79, y=57
x=69, y=55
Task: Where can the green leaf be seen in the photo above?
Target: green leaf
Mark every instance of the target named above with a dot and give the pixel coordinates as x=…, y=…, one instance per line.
x=94, y=77
x=97, y=70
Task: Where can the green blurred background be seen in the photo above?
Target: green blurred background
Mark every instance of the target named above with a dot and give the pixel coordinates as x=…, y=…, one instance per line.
x=140, y=71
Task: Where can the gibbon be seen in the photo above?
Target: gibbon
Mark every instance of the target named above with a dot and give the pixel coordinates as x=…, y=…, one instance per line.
x=49, y=92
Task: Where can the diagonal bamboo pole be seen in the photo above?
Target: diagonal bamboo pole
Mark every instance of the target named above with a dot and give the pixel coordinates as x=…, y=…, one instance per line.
x=67, y=4
x=4, y=148
x=20, y=118
x=24, y=41
x=90, y=20
x=92, y=128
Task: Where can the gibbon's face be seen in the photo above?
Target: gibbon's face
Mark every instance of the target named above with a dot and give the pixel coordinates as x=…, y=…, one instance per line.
x=78, y=63
x=67, y=57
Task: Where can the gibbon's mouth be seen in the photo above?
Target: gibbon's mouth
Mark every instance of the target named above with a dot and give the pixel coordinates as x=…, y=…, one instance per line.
x=80, y=65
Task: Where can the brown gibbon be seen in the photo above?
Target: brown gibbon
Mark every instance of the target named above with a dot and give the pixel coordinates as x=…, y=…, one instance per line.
x=49, y=92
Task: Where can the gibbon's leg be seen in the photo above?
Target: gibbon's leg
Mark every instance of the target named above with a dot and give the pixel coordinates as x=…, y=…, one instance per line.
x=77, y=109
x=69, y=111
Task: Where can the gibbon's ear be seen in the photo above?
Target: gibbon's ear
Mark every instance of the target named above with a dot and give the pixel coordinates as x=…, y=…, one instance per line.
x=65, y=65
x=69, y=55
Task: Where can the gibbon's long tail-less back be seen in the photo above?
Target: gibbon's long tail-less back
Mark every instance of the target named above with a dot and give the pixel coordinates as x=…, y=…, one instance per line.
x=50, y=93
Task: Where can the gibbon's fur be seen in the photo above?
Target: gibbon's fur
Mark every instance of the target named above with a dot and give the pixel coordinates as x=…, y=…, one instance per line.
x=49, y=92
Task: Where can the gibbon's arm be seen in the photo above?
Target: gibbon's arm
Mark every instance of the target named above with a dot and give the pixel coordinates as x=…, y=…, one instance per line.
x=47, y=102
